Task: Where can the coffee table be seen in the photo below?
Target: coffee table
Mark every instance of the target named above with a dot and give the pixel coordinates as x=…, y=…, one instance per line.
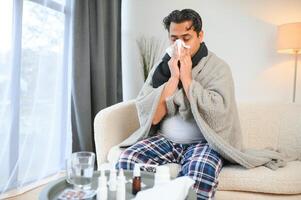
x=53, y=189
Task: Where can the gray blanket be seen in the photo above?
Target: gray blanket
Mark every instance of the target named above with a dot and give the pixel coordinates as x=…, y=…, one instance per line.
x=212, y=104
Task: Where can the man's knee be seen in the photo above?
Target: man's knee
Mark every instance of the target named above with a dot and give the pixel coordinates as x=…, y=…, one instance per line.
x=207, y=162
x=127, y=159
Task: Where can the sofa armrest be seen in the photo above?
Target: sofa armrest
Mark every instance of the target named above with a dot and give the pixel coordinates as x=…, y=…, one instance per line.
x=112, y=125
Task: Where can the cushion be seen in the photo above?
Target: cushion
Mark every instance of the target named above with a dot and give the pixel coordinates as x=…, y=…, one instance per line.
x=230, y=195
x=286, y=180
x=271, y=125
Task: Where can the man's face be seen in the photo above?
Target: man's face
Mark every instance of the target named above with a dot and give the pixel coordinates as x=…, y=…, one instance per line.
x=186, y=33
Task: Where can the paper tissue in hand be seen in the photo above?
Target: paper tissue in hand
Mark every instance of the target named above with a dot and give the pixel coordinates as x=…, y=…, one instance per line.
x=178, y=44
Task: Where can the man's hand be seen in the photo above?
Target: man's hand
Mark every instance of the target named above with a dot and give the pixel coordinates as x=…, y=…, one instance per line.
x=186, y=70
x=186, y=66
x=173, y=64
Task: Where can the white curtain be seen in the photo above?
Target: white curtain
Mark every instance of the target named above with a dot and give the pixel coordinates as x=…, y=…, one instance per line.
x=35, y=136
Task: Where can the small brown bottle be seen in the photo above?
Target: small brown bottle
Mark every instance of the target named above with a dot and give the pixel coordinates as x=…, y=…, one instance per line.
x=136, y=186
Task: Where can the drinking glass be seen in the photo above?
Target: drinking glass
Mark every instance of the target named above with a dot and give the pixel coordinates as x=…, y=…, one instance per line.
x=80, y=168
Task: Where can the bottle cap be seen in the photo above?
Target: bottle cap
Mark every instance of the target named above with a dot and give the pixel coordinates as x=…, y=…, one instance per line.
x=113, y=173
x=137, y=171
x=102, y=176
x=102, y=172
x=113, y=179
x=113, y=170
x=121, y=175
x=121, y=172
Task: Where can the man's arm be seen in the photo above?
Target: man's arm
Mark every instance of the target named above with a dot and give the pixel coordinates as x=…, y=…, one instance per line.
x=169, y=89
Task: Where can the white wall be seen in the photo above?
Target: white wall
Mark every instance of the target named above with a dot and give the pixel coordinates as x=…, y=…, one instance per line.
x=243, y=33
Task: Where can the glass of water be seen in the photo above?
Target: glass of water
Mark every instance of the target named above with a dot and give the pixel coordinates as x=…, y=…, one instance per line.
x=80, y=169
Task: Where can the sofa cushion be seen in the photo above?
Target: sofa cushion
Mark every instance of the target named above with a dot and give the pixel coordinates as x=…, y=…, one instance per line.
x=230, y=195
x=271, y=125
x=286, y=180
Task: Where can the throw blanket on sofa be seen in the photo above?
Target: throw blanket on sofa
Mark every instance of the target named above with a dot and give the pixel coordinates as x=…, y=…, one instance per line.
x=212, y=104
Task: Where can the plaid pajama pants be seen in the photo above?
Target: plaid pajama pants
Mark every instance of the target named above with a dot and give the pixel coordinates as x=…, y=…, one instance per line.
x=198, y=161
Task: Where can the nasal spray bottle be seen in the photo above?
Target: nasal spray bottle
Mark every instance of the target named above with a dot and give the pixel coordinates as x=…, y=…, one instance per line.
x=120, y=195
x=102, y=193
x=113, y=179
x=136, y=186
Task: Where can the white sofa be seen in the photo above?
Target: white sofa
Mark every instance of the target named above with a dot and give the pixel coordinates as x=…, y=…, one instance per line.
x=263, y=125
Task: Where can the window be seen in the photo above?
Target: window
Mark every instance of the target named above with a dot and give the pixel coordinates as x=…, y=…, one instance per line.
x=34, y=119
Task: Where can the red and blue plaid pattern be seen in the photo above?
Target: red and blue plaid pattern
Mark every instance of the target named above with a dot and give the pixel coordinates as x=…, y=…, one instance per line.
x=198, y=161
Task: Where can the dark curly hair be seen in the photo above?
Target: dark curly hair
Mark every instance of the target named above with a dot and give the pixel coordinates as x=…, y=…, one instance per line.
x=179, y=16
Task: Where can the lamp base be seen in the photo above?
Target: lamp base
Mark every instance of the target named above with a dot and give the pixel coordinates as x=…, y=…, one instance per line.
x=295, y=75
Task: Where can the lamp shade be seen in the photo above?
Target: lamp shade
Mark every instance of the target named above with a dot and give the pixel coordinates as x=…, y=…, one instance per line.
x=289, y=38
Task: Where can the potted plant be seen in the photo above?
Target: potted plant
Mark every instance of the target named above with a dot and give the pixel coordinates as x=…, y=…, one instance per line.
x=151, y=50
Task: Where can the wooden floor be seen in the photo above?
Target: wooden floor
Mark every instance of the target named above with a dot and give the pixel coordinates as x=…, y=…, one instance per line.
x=30, y=195
x=34, y=193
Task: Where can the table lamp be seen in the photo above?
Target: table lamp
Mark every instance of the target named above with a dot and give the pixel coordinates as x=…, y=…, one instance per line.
x=289, y=42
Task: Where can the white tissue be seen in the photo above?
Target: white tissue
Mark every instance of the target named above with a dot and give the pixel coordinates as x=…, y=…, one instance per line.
x=176, y=189
x=179, y=44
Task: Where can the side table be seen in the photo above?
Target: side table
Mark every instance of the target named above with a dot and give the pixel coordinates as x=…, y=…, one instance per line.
x=53, y=189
